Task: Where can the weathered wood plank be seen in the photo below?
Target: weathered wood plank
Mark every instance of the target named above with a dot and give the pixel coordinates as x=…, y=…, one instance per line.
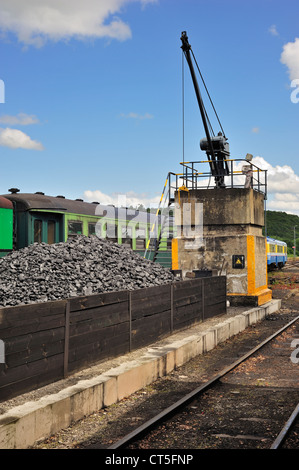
x=14, y=389
x=10, y=316
x=149, y=329
x=32, y=326
x=32, y=340
x=31, y=369
x=115, y=313
x=91, y=357
x=153, y=291
x=148, y=307
x=214, y=310
x=185, y=294
x=191, y=299
x=188, y=313
x=98, y=335
x=34, y=354
x=97, y=300
x=99, y=349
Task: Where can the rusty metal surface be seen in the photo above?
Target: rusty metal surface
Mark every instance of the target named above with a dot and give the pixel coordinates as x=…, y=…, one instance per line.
x=5, y=203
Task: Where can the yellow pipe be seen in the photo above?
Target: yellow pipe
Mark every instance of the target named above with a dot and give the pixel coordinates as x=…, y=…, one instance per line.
x=250, y=265
x=175, y=254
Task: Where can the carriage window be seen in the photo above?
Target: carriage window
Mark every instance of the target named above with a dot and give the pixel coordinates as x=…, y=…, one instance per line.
x=111, y=232
x=74, y=228
x=272, y=248
x=91, y=229
x=38, y=231
x=51, y=232
x=279, y=249
x=140, y=239
x=100, y=230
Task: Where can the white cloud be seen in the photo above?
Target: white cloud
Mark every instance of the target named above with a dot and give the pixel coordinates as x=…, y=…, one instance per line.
x=290, y=57
x=279, y=204
x=272, y=30
x=137, y=116
x=130, y=198
x=281, y=179
x=15, y=138
x=283, y=186
x=35, y=21
x=21, y=119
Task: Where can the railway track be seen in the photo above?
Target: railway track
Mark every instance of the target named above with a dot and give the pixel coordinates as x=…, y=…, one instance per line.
x=188, y=418
x=285, y=432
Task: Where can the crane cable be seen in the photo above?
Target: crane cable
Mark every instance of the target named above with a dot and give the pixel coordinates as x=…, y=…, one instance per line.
x=183, y=117
x=183, y=104
x=205, y=111
x=207, y=92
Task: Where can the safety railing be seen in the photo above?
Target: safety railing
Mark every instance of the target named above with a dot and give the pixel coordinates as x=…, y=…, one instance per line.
x=241, y=174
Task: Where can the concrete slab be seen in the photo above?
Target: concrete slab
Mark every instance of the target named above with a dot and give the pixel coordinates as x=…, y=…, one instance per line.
x=23, y=425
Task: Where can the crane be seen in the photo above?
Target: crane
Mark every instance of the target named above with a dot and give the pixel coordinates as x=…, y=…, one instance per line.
x=216, y=147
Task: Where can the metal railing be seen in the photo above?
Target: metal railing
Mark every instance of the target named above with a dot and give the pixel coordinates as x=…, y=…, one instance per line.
x=247, y=175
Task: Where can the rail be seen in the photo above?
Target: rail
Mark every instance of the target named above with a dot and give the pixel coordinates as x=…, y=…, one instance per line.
x=169, y=412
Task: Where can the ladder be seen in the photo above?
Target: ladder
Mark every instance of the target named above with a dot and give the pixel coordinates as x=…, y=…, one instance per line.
x=155, y=247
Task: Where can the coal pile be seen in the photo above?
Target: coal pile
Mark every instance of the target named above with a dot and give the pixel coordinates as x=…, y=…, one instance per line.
x=80, y=266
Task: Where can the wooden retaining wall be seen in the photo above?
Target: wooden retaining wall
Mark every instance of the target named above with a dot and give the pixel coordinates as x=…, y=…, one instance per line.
x=45, y=342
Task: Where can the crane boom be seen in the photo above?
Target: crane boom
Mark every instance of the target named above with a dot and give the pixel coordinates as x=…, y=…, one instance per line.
x=216, y=147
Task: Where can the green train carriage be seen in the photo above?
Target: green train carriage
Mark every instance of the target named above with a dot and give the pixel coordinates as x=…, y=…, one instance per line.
x=6, y=226
x=41, y=218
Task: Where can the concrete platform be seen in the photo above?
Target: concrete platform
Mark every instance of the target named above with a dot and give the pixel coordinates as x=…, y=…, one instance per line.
x=39, y=416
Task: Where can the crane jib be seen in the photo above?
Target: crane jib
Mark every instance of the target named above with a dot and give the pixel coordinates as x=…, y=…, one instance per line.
x=216, y=147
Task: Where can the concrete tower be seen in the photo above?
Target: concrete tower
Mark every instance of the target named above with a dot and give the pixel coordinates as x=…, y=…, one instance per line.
x=221, y=229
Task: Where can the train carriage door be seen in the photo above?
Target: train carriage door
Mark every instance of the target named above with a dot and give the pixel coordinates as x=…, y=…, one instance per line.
x=51, y=232
x=37, y=230
x=45, y=228
x=6, y=226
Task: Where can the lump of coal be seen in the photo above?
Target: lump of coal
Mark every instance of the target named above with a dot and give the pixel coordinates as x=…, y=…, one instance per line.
x=80, y=266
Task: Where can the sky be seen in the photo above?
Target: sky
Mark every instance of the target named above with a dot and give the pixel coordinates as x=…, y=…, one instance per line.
x=97, y=103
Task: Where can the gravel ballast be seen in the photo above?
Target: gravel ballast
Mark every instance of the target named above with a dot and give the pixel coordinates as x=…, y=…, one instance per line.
x=80, y=266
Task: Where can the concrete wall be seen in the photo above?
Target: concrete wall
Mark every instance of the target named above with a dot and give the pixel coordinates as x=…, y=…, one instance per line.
x=215, y=224
x=231, y=206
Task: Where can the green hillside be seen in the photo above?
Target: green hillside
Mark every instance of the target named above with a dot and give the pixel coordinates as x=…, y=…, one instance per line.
x=280, y=225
